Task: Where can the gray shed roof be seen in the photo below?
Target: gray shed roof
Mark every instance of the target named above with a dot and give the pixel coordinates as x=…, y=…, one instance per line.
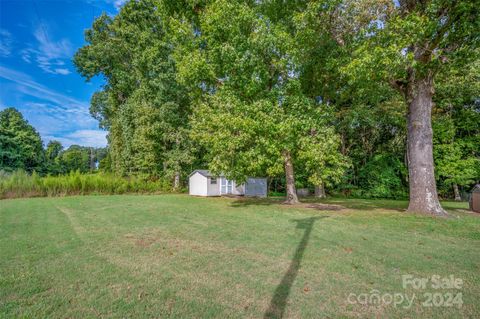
x=476, y=188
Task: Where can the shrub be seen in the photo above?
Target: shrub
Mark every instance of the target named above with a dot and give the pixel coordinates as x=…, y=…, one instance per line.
x=381, y=177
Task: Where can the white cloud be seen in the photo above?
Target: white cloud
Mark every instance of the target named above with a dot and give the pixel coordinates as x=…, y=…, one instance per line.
x=90, y=137
x=93, y=138
x=28, y=86
x=55, y=116
x=62, y=71
x=51, y=49
x=6, y=41
x=50, y=119
x=26, y=55
x=49, y=55
x=119, y=3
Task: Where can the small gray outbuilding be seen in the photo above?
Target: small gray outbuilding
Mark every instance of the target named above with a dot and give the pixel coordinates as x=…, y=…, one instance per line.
x=475, y=199
x=202, y=183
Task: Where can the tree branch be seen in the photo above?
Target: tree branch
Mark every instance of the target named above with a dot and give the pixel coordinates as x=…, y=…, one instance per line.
x=399, y=85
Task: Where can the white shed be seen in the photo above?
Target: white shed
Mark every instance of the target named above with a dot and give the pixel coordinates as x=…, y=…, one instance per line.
x=203, y=183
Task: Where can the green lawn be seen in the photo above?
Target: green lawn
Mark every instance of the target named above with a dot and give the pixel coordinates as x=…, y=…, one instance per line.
x=175, y=256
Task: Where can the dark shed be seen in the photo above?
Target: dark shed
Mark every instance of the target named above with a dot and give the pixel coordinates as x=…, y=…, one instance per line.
x=475, y=199
x=256, y=187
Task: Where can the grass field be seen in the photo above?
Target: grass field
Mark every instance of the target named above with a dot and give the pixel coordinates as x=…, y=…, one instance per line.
x=174, y=256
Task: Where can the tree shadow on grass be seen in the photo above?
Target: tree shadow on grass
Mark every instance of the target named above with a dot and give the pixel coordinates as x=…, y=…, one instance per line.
x=279, y=300
x=326, y=204
x=362, y=204
x=255, y=201
x=339, y=203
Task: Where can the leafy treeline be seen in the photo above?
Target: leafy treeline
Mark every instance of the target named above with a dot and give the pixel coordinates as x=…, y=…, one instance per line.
x=312, y=92
x=21, y=148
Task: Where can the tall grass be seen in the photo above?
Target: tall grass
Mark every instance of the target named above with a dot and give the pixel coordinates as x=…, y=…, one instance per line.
x=22, y=184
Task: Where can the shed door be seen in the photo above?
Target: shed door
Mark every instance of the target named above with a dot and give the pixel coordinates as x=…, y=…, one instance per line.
x=226, y=186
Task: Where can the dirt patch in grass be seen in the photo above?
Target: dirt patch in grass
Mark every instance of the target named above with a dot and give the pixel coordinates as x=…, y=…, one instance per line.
x=163, y=241
x=144, y=242
x=325, y=207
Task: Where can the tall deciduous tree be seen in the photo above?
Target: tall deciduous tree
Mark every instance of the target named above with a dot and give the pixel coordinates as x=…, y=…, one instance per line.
x=20, y=144
x=255, y=118
x=142, y=105
x=407, y=46
x=52, y=157
x=75, y=158
x=367, y=113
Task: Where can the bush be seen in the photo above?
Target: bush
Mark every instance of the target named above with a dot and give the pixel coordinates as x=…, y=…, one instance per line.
x=381, y=177
x=22, y=184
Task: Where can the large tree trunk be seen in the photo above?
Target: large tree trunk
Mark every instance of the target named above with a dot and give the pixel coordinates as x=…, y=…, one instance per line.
x=320, y=191
x=290, y=179
x=423, y=190
x=456, y=192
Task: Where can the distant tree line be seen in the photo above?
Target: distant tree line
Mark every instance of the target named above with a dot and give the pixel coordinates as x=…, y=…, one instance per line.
x=21, y=148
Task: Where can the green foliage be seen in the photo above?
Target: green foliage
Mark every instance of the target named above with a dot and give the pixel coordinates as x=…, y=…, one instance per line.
x=457, y=128
x=53, y=150
x=52, y=158
x=20, y=144
x=22, y=184
x=236, y=85
x=455, y=162
x=249, y=139
x=372, y=48
x=105, y=165
x=408, y=41
x=75, y=158
x=258, y=112
x=143, y=106
x=383, y=176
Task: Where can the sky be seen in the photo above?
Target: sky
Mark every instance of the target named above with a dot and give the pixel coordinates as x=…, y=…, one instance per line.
x=38, y=39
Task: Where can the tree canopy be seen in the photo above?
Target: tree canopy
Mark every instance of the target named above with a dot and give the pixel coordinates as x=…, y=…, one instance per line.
x=21, y=148
x=308, y=92
x=20, y=144
x=143, y=106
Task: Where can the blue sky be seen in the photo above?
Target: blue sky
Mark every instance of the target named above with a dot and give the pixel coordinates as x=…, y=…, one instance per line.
x=37, y=41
